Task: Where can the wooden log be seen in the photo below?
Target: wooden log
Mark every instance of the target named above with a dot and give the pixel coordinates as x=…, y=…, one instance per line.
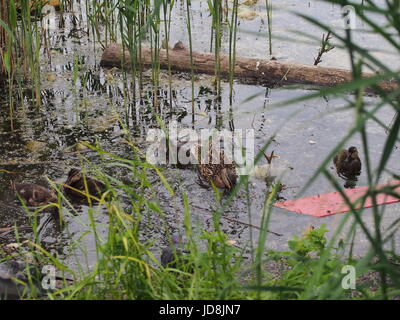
x=270, y=73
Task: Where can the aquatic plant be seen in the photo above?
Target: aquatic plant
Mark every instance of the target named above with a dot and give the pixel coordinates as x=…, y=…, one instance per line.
x=324, y=48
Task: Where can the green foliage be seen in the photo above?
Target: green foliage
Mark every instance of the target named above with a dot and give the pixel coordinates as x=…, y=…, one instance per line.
x=312, y=242
x=302, y=261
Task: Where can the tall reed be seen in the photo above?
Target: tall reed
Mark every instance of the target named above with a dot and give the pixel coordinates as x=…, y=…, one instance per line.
x=232, y=46
x=3, y=37
x=268, y=5
x=189, y=28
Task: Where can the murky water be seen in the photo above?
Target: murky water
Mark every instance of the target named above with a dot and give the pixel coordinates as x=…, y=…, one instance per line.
x=87, y=108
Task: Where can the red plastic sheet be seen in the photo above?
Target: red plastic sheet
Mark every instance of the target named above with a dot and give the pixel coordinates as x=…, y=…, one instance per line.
x=327, y=204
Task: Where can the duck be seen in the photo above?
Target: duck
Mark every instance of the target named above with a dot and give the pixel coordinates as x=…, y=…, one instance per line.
x=222, y=174
x=348, y=163
x=172, y=253
x=34, y=195
x=75, y=187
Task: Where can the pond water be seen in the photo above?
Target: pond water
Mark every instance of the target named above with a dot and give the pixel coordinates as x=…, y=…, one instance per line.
x=87, y=108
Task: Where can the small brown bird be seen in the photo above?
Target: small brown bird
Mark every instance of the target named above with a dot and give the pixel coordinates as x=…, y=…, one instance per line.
x=75, y=185
x=347, y=163
x=34, y=195
x=222, y=174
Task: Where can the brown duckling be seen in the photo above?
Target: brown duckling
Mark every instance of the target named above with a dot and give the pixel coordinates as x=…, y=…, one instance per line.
x=172, y=253
x=347, y=163
x=75, y=185
x=33, y=194
x=222, y=175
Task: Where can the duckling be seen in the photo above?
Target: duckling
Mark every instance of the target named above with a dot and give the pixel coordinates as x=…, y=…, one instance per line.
x=75, y=185
x=34, y=194
x=171, y=254
x=347, y=163
x=222, y=175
